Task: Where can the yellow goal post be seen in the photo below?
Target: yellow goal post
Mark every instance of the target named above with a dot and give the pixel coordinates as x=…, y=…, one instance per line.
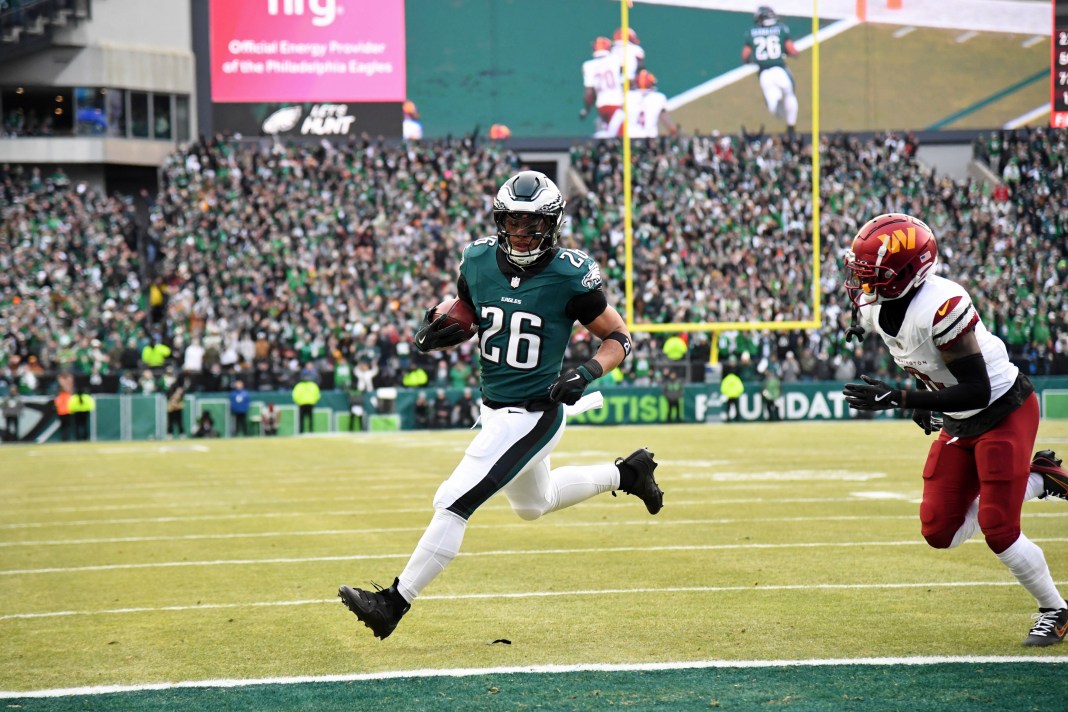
x=628, y=227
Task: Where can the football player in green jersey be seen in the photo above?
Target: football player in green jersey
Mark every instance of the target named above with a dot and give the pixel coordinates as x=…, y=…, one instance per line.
x=767, y=42
x=527, y=292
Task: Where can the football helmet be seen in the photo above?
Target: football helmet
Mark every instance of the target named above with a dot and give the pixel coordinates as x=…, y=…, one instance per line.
x=891, y=255
x=632, y=36
x=645, y=79
x=601, y=45
x=528, y=205
x=765, y=16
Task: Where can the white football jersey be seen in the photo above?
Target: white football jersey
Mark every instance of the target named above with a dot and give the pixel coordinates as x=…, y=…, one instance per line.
x=603, y=75
x=940, y=313
x=635, y=54
x=644, y=107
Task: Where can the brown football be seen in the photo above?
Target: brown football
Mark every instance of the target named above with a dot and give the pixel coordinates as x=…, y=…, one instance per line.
x=458, y=311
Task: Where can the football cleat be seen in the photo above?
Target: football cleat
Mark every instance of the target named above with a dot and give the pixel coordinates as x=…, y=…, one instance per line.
x=1050, y=626
x=380, y=610
x=644, y=487
x=1054, y=477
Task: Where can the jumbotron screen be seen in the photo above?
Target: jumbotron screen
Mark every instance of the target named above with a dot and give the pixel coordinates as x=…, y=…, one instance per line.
x=307, y=51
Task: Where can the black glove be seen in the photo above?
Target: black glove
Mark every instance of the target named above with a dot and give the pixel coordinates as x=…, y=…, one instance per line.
x=855, y=331
x=871, y=395
x=926, y=420
x=569, y=386
x=435, y=335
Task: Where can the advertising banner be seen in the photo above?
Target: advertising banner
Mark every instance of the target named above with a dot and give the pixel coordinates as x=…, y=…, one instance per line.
x=330, y=51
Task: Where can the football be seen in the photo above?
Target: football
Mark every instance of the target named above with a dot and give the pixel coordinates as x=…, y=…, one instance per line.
x=458, y=311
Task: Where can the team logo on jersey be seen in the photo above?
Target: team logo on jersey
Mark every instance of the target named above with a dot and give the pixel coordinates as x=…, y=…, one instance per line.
x=592, y=278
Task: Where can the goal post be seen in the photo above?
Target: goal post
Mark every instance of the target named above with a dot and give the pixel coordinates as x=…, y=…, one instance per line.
x=628, y=208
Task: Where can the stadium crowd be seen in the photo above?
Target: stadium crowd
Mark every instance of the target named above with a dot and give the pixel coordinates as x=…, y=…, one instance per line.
x=266, y=259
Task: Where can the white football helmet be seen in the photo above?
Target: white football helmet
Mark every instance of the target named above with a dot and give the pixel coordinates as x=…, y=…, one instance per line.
x=528, y=205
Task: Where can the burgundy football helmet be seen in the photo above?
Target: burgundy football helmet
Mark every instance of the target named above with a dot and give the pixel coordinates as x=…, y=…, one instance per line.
x=891, y=255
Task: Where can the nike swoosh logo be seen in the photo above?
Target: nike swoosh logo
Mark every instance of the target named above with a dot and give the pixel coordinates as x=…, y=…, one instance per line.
x=1062, y=630
x=879, y=398
x=944, y=309
x=574, y=378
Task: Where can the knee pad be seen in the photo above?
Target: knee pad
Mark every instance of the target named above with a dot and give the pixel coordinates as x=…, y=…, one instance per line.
x=935, y=518
x=1002, y=493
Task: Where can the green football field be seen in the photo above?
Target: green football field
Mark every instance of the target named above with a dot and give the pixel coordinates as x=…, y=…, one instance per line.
x=786, y=570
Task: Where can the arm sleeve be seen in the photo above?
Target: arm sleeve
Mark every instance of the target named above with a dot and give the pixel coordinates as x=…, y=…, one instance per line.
x=463, y=291
x=587, y=306
x=971, y=392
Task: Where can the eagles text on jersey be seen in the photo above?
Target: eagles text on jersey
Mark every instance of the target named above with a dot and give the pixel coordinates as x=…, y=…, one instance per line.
x=524, y=328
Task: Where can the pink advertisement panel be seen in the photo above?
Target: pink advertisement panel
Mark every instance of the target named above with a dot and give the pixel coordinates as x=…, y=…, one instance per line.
x=307, y=50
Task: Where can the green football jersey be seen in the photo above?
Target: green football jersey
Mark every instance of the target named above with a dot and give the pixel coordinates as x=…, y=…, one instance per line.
x=523, y=324
x=768, y=45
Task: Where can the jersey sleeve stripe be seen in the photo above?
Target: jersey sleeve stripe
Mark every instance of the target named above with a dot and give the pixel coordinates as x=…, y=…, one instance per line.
x=971, y=323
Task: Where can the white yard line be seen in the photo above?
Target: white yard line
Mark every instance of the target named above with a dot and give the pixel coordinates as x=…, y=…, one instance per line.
x=504, y=552
x=533, y=594
x=544, y=670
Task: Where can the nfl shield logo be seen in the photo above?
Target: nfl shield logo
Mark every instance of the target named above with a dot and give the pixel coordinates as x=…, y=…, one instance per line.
x=515, y=282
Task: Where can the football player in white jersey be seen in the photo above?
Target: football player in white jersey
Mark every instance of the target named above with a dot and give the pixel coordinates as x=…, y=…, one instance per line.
x=647, y=109
x=978, y=473
x=603, y=86
x=635, y=55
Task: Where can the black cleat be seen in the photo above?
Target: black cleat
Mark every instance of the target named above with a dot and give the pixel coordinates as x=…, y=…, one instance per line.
x=1054, y=477
x=380, y=610
x=1050, y=626
x=644, y=487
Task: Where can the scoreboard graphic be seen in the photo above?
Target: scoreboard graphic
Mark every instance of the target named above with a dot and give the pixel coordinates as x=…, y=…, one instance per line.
x=1059, y=69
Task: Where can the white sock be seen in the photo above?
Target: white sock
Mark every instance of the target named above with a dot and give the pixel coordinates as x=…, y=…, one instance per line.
x=1035, y=486
x=789, y=106
x=438, y=546
x=1028, y=564
x=969, y=527
x=574, y=484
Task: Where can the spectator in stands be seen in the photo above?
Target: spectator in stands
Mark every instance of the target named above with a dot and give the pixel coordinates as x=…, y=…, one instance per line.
x=269, y=419
x=239, y=405
x=206, y=426
x=12, y=408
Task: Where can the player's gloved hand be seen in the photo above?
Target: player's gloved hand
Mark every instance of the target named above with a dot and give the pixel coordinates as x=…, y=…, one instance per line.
x=434, y=334
x=854, y=332
x=570, y=385
x=871, y=395
x=927, y=420
x=584, y=112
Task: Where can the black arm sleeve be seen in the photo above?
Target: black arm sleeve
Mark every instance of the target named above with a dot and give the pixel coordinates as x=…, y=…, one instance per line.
x=972, y=390
x=586, y=307
x=463, y=291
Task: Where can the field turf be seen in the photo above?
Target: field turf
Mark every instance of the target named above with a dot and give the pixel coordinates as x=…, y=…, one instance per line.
x=785, y=570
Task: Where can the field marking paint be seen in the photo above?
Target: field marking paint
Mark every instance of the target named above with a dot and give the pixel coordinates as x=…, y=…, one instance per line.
x=400, y=510
x=393, y=530
x=784, y=476
x=855, y=497
x=531, y=594
x=502, y=552
x=1025, y=119
x=904, y=31
x=543, y=670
